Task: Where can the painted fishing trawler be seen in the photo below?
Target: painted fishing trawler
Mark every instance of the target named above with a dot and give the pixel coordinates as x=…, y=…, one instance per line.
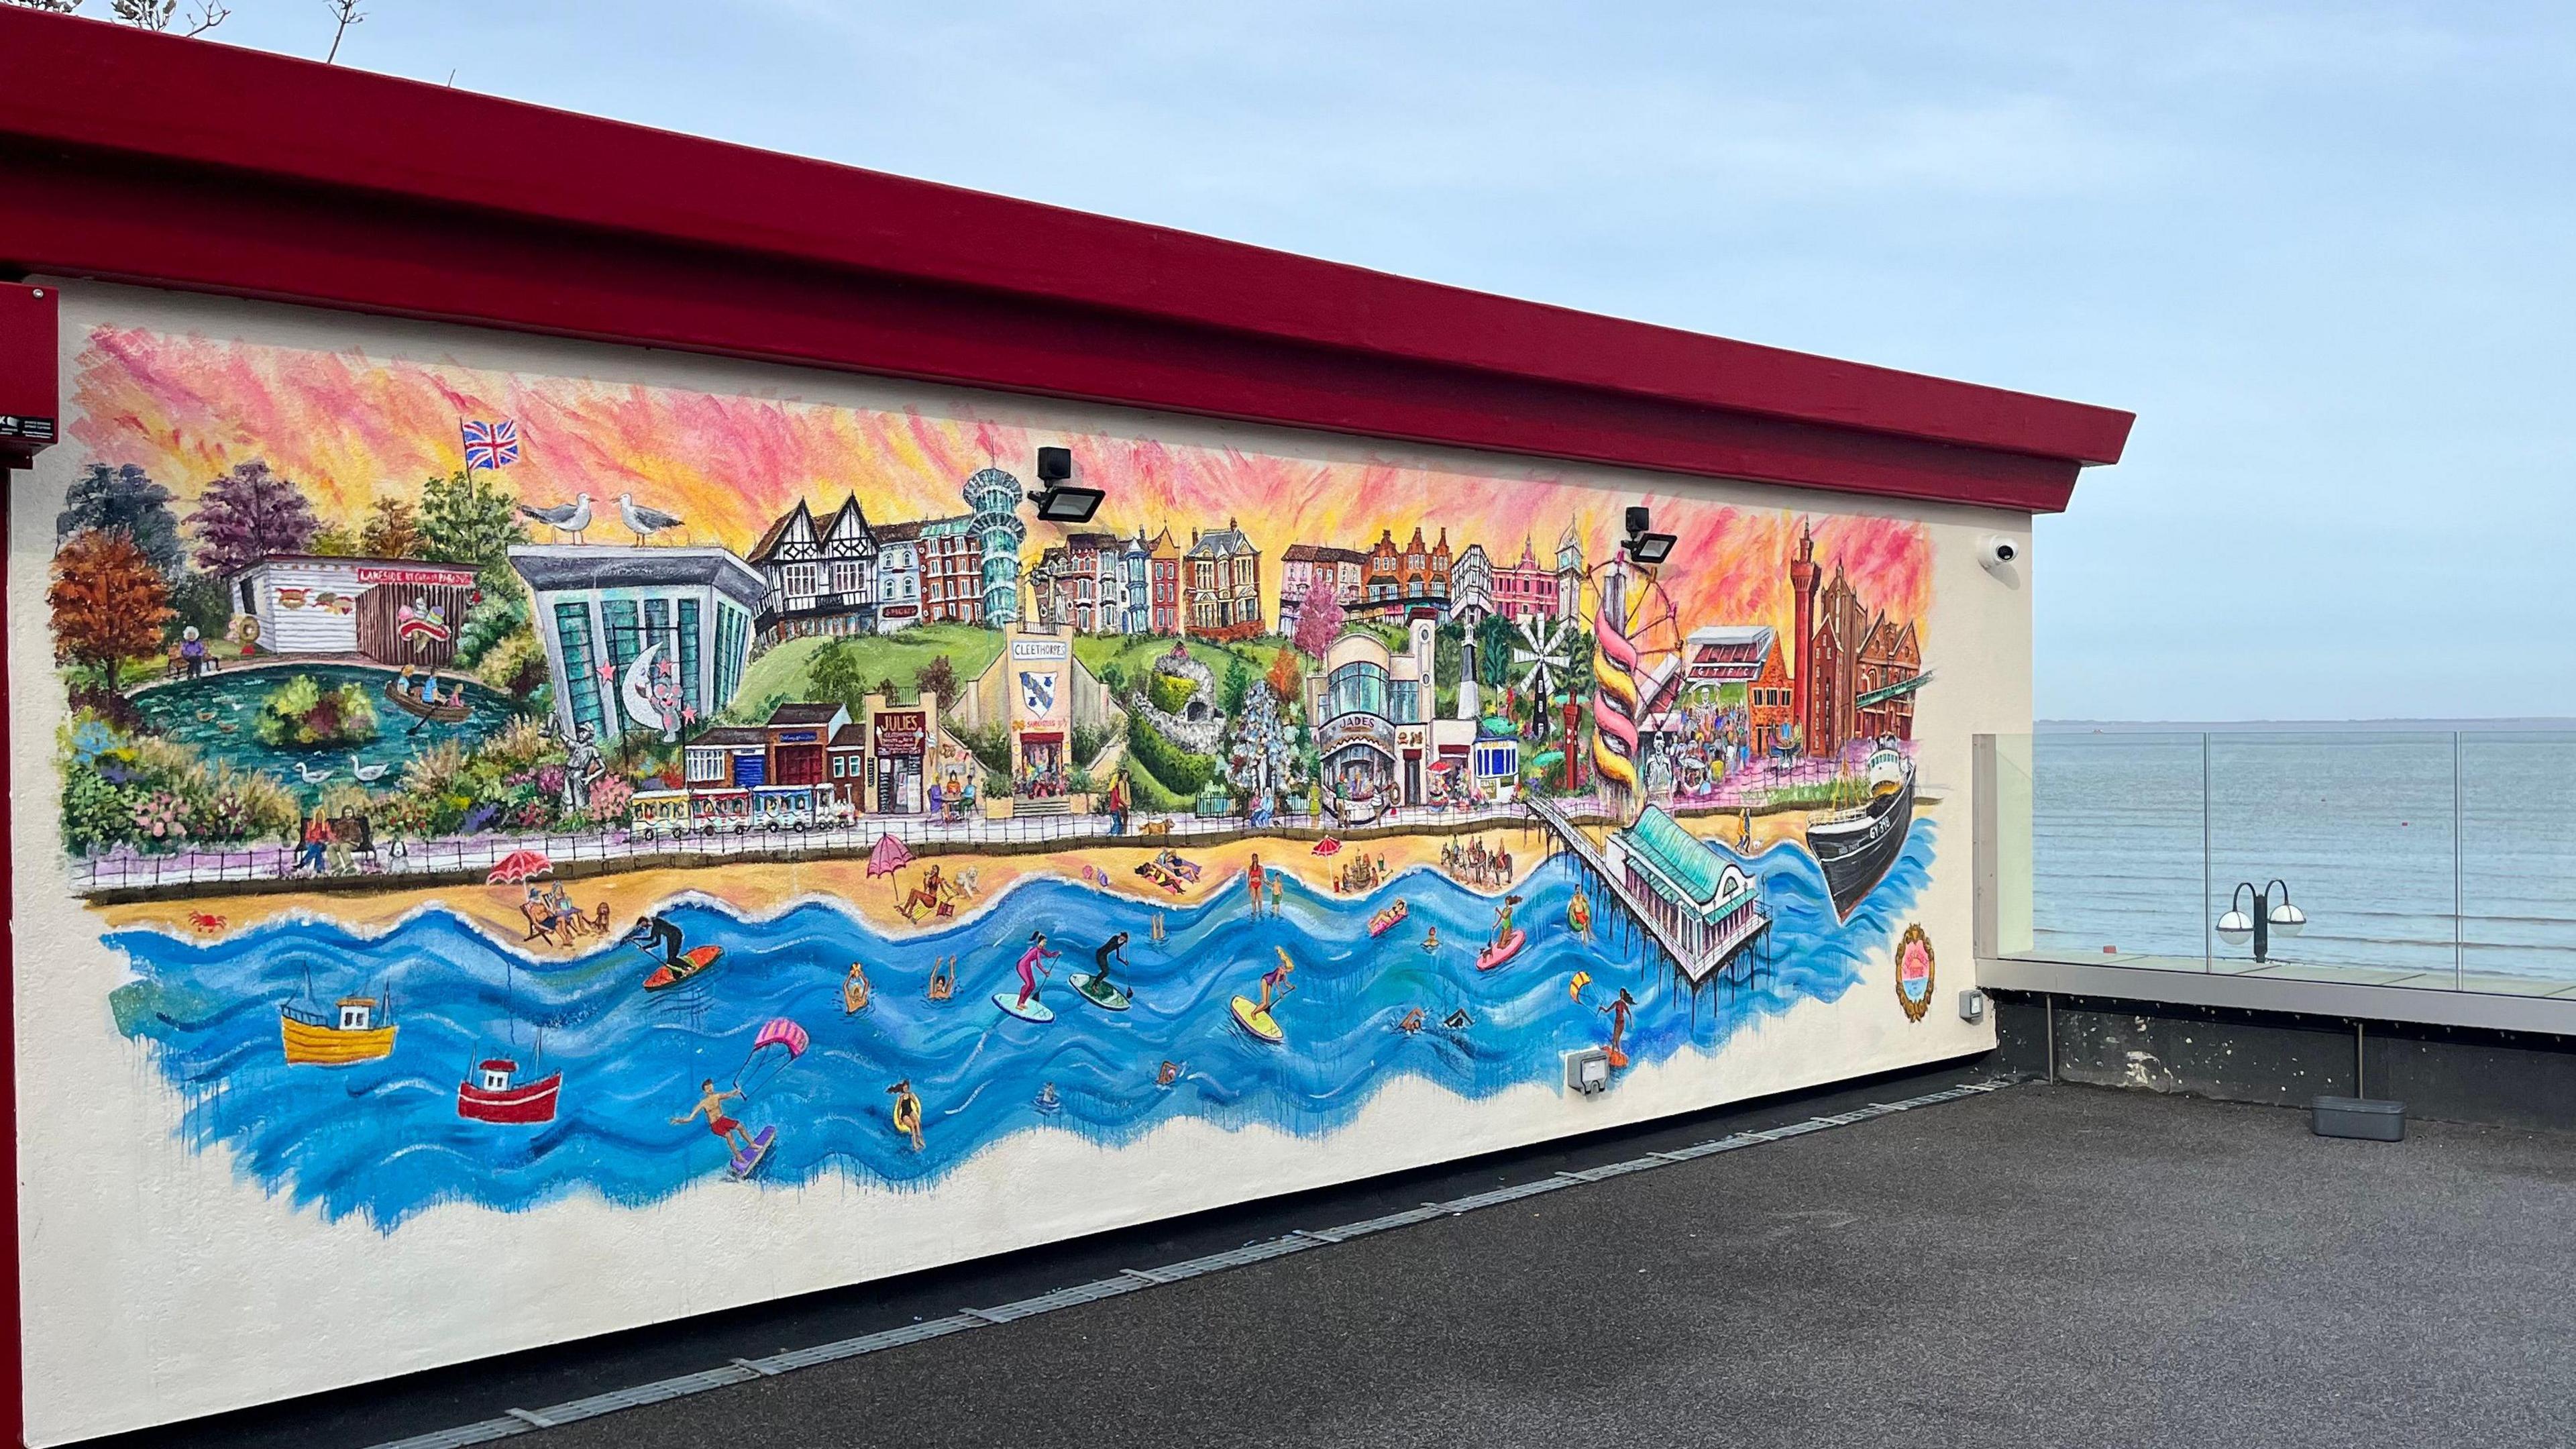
x=493, y=1095
x=1856, y=847
x=317, y=1038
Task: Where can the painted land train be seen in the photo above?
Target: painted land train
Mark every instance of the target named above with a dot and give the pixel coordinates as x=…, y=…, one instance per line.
x=736, y=810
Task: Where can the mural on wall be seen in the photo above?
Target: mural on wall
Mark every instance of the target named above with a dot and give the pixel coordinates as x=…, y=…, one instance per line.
x=507, y=787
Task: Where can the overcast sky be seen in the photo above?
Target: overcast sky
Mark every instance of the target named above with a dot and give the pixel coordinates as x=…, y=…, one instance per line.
x=2324, y=252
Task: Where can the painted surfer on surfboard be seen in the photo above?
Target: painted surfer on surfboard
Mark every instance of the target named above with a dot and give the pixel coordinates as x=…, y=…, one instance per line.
x=656, y=933
x=1503, y=922
x=1033, y=961
x=1113, y=949
x=1618, y=1011
x=730, y=1132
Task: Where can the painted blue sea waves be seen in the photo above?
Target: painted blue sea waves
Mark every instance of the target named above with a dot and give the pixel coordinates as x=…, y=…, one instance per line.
x=384, y=1139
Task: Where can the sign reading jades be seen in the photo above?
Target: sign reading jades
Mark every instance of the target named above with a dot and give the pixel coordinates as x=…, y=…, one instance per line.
x=1914, y=973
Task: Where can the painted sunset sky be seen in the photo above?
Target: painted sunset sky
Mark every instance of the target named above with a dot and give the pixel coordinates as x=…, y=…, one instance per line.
x=349, y=428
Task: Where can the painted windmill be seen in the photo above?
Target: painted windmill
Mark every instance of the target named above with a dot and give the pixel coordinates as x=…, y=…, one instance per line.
x=1544, y=657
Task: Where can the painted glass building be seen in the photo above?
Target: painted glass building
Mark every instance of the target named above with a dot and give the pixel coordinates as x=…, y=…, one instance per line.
x=599, y=609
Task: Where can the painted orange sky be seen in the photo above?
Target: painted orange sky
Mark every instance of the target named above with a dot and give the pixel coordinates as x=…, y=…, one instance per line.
x=350, y=428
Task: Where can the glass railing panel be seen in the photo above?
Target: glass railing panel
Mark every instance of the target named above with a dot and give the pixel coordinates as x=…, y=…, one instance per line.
x=2117, y=869
x=2356, y=827
x=2518, y=862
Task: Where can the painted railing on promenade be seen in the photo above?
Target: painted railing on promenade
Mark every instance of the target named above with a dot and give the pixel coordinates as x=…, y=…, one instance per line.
x=396, y=860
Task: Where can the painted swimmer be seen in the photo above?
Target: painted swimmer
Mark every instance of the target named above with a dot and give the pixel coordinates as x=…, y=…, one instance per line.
x=907, y=1112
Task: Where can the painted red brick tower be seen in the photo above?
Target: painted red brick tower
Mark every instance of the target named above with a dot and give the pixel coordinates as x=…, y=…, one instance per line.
x=1803, y=577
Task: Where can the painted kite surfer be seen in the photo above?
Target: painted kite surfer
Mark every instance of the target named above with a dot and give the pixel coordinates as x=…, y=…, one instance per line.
x=711, y=1102
x=1618, y=1011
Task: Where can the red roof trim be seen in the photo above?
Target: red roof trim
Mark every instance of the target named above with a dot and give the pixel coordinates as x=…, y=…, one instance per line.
x=211, y=173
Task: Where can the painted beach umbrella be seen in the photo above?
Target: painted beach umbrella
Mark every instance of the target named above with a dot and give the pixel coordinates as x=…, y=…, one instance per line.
x=519, y=866
x=1328, y=846
x=888, y=856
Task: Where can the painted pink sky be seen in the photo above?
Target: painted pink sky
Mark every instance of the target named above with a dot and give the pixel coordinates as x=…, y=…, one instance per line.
x=350, y=428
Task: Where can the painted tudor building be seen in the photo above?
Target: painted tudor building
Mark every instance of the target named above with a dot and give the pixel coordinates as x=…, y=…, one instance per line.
x=822, y=577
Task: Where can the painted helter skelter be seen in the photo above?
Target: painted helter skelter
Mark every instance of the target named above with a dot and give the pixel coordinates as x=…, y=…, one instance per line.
x=1636, y=659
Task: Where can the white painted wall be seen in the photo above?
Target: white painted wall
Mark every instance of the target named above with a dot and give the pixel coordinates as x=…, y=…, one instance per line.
x=160, y=1284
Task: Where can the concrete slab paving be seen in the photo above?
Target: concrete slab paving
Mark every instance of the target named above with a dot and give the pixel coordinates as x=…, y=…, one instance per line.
x=2046, y=1265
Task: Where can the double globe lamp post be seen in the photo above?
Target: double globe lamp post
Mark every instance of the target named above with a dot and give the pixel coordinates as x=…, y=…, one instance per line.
x=2263, y=922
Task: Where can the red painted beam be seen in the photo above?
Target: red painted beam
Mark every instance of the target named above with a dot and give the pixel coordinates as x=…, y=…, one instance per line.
x=621, y=233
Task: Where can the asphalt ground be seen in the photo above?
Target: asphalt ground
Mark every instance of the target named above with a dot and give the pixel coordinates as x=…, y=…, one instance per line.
x=2040, y=1266
x=371, y=1414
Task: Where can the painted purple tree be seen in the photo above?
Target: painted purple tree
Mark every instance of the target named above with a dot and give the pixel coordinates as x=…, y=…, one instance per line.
x=1319, y=618
x=247, y=515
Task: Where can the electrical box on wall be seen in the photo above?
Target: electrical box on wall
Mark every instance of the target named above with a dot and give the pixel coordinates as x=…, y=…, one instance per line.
x=29, y=388
x=1587, y=1072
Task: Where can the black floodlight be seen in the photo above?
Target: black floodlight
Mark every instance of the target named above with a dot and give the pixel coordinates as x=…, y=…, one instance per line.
x=1644, y=547
x=1065, y=503
x=1061, y=500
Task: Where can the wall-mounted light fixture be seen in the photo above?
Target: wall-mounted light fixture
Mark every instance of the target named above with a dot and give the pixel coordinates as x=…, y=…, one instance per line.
x=1643, y=546
x=1059, y=498
x=2239, y=925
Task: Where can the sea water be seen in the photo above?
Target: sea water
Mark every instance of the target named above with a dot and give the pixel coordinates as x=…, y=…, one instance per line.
x=383, y=1139
x=2403, y=878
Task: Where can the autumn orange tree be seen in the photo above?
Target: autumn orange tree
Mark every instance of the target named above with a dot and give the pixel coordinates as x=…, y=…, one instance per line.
x=1285, y=675
x=109, y=602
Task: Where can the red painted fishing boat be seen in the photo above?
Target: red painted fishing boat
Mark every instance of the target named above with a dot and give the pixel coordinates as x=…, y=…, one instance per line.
x=490, y=1096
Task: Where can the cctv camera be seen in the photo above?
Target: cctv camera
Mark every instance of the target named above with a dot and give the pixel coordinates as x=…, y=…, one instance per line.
x=1996, y=551
x=1639, y=521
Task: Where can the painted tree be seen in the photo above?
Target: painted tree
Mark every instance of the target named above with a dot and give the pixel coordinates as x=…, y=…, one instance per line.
x=467, y=518
x=834, y=675
x=1285, y=674
x=1319, y=619
x=392, y=531
x=247, y=515
x=1234, y=688
x=938, y=677
x=125, y=497
x=108, y=602
x=1261, y=754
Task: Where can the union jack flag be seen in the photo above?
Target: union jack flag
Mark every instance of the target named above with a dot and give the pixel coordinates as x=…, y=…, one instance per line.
x=491, y=445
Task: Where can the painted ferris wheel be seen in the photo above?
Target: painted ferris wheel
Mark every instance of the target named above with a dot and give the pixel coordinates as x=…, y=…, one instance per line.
x=1636, y=671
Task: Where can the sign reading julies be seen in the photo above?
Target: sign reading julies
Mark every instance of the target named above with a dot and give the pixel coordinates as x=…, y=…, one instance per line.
x=900, y=731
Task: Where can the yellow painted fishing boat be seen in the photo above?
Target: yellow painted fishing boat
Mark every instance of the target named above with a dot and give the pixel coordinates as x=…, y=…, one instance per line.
x=315, y=1039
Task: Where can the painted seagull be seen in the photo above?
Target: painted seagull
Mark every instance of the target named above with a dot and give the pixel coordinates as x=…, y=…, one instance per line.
x=640, y=520
x=563, y=518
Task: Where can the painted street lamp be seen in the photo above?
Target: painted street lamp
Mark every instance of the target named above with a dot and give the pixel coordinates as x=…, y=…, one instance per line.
x=2259, y=925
